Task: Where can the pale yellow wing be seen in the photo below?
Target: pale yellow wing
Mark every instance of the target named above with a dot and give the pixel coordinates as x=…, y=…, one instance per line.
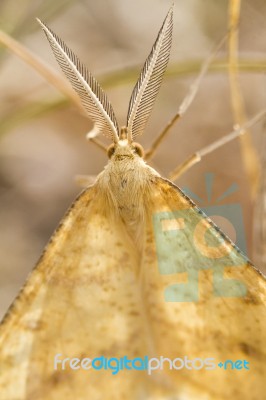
x=82, y=300
x=203, y=299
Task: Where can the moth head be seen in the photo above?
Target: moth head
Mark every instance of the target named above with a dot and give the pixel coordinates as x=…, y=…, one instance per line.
x=125, y=147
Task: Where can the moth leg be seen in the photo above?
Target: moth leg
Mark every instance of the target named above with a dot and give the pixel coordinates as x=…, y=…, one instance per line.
x=241, y=125
x=98, y=143
x=154, y=146
x=85, y=180
x=186, y=102
x=198, y=155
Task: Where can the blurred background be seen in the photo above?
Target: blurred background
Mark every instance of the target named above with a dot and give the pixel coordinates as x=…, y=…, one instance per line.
x=42, y=134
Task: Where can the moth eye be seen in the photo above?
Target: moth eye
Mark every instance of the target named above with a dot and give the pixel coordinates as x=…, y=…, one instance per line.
x=138, y=149
x=110, y=150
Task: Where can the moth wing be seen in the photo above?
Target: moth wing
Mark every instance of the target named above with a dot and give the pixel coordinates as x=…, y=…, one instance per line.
x=80, y=301
x=83, y=300
x=204, y=299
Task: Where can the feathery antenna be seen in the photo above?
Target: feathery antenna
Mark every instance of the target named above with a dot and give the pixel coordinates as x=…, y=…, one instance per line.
x=150, y=79
x=93, y=98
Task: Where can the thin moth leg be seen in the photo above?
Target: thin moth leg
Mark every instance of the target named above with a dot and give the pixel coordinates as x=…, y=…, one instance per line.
x=198, y=155
x=237, y=106
x=98, y=143
x=186, y=102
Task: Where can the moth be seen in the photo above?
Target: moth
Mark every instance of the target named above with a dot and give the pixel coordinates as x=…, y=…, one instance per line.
x=134, y=270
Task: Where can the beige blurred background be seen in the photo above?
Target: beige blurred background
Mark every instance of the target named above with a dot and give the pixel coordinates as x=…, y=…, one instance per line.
x=42, y=137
